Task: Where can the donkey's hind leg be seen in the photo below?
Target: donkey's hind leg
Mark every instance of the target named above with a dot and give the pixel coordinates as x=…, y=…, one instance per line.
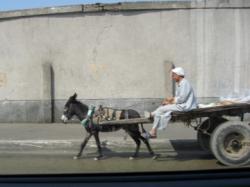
x=148, y=146
x=135, y=137
x=83, y=146
x=98, y=143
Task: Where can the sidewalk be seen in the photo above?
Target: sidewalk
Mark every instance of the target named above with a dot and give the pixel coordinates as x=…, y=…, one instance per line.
x=64, y=138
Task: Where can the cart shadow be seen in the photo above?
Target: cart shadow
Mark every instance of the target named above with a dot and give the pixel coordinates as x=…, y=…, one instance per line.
x=184, y=150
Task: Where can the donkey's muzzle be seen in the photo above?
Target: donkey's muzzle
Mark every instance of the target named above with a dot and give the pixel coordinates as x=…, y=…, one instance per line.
x=64, y=119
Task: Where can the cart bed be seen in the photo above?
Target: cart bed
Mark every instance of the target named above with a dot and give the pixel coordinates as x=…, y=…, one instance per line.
x=226, y=110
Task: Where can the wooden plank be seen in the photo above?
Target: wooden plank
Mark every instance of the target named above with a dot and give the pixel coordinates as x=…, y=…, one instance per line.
x=126, y=121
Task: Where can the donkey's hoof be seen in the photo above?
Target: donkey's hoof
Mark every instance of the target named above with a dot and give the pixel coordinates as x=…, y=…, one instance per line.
x=98, y=157
x=132, y=158
x=155, y=157
x=76, y=157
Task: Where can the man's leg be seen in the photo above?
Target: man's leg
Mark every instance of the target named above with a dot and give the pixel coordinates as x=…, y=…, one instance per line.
x=161, y=116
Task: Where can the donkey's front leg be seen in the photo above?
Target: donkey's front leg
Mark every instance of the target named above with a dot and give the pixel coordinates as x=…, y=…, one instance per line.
x=83, y=146
x=97, y=140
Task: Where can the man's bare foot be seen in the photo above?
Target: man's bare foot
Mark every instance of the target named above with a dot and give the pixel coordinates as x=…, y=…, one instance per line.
x=147, y=135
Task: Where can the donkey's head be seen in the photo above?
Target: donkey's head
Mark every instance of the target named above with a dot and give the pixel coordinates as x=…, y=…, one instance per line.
x=74, y=107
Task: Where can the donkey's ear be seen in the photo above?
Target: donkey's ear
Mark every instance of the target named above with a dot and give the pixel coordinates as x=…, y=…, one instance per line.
x=74, y=96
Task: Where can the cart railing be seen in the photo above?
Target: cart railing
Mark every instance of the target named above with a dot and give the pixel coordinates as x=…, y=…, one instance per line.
x=238, y=109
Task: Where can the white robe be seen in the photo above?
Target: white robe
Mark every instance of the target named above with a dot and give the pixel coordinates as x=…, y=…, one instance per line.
x=185, y=100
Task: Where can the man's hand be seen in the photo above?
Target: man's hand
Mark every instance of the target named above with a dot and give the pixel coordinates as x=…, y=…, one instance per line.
x=168, y=100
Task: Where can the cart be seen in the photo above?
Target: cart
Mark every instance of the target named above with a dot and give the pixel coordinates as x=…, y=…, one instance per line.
x=221, y=130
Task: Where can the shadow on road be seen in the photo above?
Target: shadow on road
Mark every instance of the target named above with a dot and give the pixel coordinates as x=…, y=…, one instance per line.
x=181, y=150
x=184, y=150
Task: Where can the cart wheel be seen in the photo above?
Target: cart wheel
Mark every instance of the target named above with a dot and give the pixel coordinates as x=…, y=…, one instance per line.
x=203, y=138
x=230, y=143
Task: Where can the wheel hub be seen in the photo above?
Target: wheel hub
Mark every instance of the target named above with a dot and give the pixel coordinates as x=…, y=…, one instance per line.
x=233, y=143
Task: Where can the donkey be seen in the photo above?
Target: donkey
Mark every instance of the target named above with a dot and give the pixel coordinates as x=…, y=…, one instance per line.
x=75, y=107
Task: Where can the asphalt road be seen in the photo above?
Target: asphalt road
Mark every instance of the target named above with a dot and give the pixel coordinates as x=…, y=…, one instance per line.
x=49, y=148
x=113, y=162
x=174, y=155
x=44, y=138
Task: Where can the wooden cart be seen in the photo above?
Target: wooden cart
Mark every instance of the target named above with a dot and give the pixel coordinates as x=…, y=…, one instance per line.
x=218, y=132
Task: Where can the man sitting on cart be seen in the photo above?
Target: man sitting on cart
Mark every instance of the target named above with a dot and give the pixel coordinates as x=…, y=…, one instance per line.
x=184, y=100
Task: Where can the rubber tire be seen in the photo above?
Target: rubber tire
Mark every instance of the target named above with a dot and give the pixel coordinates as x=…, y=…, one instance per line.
x=204, y=139
x=218, y=138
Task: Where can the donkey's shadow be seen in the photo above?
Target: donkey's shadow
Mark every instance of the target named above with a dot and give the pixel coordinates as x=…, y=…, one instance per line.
x=111, y=152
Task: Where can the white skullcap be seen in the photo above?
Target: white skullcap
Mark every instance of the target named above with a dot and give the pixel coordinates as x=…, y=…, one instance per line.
x=179, y=71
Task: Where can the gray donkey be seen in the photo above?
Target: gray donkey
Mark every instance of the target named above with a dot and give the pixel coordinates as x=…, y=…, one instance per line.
x=75, y=107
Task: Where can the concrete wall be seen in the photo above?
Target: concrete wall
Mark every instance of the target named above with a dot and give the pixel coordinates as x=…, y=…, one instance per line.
x=119, y=55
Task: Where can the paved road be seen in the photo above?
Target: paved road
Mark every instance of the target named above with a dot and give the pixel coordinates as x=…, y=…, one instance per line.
x=58, y=131
x=39, y=138
x=49, y=148
x=115, y=161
